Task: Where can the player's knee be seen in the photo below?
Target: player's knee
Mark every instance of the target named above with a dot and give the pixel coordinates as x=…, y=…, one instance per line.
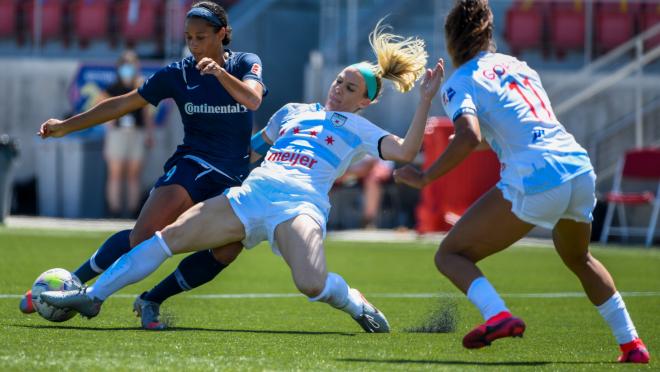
x=440, y=260
x=309, y=287
x=140, y=234
x=228, y=253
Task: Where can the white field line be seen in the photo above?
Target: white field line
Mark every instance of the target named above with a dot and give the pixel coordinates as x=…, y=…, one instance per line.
x=378, y=295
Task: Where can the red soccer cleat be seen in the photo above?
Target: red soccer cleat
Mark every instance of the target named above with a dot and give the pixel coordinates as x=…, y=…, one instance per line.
x=26, y=303
x=634, y=352
x=501, y=325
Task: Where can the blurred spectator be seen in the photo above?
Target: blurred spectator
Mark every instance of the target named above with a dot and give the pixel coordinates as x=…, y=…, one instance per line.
x=372, y=173
x=126, y=141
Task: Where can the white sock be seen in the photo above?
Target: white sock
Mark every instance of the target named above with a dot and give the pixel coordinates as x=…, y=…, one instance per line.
x=615, y=314
x=132, y=267
x=337, y=294
x=482, y=294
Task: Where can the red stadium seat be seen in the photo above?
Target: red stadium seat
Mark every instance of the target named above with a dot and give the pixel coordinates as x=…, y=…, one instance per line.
x=567, y=26
x=138, y=19
x=91, y=20
x=640, y=165
x=52, y=18
x=615, y=24
x=524, y=26
x=650, y=16
x=8, y=16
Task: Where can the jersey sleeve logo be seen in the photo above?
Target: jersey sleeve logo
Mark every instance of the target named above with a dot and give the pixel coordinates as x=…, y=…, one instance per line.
x=256, y=69
x=338, y=120
x=448, y=95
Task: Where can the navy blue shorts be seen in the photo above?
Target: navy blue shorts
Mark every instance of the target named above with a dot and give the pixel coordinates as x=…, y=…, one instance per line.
x=200, y=182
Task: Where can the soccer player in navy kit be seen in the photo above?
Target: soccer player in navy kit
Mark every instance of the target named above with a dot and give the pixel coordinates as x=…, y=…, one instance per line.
x=216, y=91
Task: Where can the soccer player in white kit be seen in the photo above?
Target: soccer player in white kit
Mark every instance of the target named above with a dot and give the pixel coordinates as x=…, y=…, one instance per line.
x=285, y=200
x=546, y=180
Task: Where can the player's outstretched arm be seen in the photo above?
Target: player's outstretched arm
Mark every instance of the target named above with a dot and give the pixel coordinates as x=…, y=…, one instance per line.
x=405, y=150
x=467, y=138
x=106, y=110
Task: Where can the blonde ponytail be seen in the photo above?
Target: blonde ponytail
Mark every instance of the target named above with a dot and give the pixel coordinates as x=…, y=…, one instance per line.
x=401, y=60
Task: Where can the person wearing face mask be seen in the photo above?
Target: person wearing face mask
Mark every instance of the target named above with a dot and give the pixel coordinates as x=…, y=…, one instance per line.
x=126, y=140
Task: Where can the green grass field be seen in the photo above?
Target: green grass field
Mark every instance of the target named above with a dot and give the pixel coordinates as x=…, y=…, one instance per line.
x=564, y=331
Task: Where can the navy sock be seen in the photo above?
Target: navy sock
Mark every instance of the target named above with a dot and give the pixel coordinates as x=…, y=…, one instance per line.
x=197, y=269
x=113, y=248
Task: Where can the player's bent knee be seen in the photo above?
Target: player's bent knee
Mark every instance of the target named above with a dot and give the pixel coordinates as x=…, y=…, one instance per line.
x=228, y=253
x=310, y=288
x=138, y=235
x=440, y=260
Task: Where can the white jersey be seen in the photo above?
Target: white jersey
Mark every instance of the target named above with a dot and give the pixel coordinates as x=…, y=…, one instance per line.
x=517, y=121
x=311, y=148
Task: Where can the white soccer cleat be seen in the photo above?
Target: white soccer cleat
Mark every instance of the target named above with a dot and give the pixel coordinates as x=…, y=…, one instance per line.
x=371, y=319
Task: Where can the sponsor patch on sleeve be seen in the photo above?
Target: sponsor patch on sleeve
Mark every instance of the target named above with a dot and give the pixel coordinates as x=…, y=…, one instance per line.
x=256, y=69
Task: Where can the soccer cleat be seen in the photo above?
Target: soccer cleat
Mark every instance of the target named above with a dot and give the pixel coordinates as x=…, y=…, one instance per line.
x=499, y=326
x=634, y=352
x=25, y=305
x=76, y=299
x=149, y=313
x=371, y=320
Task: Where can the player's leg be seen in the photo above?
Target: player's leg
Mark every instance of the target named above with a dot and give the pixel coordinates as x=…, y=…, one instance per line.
x=210, y=223
x=571, y=237
x=198, y=268
x=164, y=205
x=300, y=241
x=487, y=227
x=193, y=271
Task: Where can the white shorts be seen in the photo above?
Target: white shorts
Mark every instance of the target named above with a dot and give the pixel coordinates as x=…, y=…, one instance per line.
x=574, y=199
x=261, y=208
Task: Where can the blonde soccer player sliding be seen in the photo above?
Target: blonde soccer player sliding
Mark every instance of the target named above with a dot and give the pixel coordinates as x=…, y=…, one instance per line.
x=546, y=180
x=306, y=148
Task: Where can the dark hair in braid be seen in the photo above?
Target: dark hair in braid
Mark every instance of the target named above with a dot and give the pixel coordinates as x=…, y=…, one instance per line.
x=469, y=30
x=219, y=12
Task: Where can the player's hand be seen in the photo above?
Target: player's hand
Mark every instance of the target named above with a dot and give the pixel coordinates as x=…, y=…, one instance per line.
x=52, y=128
x=410, y=176
x=208, y=66
x=432, y=80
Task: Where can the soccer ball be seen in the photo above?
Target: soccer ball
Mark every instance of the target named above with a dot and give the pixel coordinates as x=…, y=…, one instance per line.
x=54, y=280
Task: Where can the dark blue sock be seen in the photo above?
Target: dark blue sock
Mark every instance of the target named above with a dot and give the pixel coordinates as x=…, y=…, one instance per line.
x=193, y=271
x=113, y=248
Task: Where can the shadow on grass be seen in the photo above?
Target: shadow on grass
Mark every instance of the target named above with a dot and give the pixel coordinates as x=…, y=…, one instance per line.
x=466, y=363
x=180, y=329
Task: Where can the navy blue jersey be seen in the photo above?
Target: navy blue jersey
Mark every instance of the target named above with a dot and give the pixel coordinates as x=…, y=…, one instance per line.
x=216, y=127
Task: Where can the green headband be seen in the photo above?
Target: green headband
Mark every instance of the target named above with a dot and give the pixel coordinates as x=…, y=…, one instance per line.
x=369, y=78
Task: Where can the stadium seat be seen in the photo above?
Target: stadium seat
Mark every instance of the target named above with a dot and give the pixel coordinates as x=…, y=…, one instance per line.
x=8, y=16
x=567, y=26
x=91, y=20
x=650, y=16
x=138, y=19
x=52, y=18
x=614, y=24
x=524, y=26
x=637, y=165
